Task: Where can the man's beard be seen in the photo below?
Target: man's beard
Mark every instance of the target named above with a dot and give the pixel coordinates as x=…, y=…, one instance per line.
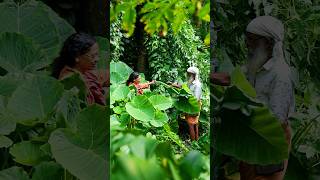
x=256, y=59
x=190, y=79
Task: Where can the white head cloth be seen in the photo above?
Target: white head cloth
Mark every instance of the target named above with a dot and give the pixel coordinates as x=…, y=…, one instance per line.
x=271, y=27
x=194, y=71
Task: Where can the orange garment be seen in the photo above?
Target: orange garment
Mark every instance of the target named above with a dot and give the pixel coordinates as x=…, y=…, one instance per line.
x=140, y=87
x=94, y=87
x=192, y=119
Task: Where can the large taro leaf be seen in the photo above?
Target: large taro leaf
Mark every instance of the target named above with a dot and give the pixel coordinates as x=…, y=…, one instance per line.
x=84, y=152
x=135, y=168
x=143, y=147
x=187, y=104
x=141, y=109
x=48, y=171
x=69, y=107
x=75, y=80
x=192, y=164
x=257, y=139
x=234, y=98
x=119, y=72
x=238, y=79
x=140, y=162
x=63, y=28
x=119, y=92
x=35, y=99
x=13, y=173
x=5, y=142
x=37, y=21
x=160, y=119
x=160, y=102
x=28, y=153
x=7, y=125
x=10, y=82
x=20, y=54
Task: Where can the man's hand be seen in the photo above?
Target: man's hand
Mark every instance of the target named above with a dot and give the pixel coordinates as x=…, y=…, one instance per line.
x=220, y=78
x=175, y=85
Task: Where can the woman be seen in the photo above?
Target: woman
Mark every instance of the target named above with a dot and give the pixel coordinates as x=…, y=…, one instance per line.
x=135, y=79
x=80, y=54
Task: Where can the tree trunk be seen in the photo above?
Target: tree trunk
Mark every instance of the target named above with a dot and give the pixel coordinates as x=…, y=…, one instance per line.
x=83, y=15
x=92, y=17
x=142, y=63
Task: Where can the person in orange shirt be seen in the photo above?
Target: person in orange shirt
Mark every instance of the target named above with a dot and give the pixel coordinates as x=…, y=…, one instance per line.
x=135, y=79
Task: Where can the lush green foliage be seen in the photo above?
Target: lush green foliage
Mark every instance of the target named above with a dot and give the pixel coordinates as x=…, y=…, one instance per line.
x=159, y=15
x=142, y=137
x=301, y=20
x=46, y=129
x=255, y=136
x=169, y=48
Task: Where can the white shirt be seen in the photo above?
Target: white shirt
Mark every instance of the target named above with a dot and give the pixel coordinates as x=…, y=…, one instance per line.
x=274, y=87
x=195, y=88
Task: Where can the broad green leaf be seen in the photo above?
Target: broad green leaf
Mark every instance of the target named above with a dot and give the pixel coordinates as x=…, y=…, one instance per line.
x=35, y=99
x=192, y=164
x=256, y=139
x=160, y=102
x=81, y=162
x=235, y=95
x=5, y=142
x=143, y=147
x=48, y=171
x=37, y=21
x=7, y=125
x=75, y=80
x=69, y=107
x=141, y=109
x=189, y=105
x=135, y=168
x=9, y=83
x=117, y=110
x=119, y=92
x=63, y=28
x=119, y=72
x=174, y=137
x=13, y=173
x=238, y=79
x=93, y=129
x=27, y=153
x=84, y=152
x=20, y=54
x=160, y=119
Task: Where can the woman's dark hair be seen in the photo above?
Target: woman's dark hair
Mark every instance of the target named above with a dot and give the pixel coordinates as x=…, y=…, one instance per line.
x=75, y=45
x=132, y=77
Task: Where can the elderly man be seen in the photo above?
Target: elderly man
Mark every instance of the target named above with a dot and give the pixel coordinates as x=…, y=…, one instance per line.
x=194, y=85
x=270, y=75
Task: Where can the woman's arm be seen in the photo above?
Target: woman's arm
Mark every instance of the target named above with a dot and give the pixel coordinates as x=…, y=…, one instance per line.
x=146, y=85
